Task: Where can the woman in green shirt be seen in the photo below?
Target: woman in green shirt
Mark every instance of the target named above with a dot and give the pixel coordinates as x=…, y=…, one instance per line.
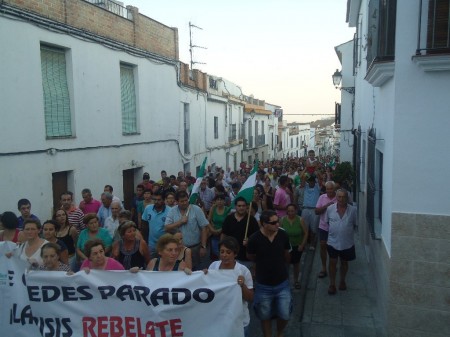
x=216, y=217
x=298, y=233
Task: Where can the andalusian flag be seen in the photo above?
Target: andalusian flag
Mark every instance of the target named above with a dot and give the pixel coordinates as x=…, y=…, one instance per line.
x=194, y=193
x=247, y=189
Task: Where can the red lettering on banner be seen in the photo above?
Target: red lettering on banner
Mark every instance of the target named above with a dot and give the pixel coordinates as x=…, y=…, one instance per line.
x=88, y=326
x=129, y=326
x=116, y=326
x=102, y=326
x=150, y=329
x=161, y=326
x=175, y=327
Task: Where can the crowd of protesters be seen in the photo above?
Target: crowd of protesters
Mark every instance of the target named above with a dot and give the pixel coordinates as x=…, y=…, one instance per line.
x=163, y=231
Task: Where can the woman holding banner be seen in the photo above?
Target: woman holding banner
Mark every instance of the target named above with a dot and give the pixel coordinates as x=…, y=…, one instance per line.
x=30, y=250
x=167, y=248
x=228, y=250
x=50, y=254
x=96, y=259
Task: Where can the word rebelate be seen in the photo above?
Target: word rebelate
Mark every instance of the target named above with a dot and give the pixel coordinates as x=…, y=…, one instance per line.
x=116, y=326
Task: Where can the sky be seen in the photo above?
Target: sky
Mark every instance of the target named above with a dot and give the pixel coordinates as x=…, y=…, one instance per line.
x=280, y=51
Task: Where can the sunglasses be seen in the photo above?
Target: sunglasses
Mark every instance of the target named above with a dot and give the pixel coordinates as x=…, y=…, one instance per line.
x=272, y=222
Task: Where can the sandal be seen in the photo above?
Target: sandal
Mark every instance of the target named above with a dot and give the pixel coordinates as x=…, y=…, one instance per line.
x=297, y=285
x=322, y=274
x=342, y=286
x=332, y=290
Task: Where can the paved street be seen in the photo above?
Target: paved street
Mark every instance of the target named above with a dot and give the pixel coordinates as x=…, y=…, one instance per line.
x=349, y=313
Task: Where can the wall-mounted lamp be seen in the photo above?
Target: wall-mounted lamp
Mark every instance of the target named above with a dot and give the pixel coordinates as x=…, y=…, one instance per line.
x=337, y=78
x=252, y=115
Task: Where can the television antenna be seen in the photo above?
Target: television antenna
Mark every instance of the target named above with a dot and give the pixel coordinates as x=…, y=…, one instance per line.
x=192, y=46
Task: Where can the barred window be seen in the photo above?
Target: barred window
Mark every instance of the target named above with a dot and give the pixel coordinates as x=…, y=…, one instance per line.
x=58, y=118
x=128, y=99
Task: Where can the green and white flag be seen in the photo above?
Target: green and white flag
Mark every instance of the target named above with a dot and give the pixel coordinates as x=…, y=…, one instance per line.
x=194, y=193
x=247, y=189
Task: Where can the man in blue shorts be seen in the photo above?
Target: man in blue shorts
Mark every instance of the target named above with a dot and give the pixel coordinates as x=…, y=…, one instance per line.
x=341, y=218
x=269, y=248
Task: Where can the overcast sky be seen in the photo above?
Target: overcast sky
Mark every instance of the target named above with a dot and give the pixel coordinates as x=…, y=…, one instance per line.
x=281, y=51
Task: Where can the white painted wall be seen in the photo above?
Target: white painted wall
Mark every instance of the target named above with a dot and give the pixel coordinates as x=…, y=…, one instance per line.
x=346, y=136
x=411, y=115
x=95, y=96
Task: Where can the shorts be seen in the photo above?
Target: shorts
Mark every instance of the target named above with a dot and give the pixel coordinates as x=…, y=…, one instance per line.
x=345, y=255
x=273, y=301
x=323, y=235
x=295, y=255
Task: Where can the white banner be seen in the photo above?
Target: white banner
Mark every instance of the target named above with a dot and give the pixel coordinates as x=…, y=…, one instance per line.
x=119, y=304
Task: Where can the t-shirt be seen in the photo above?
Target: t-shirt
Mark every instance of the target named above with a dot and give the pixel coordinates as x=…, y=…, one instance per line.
x=218, y=219
x=270, y=257
x=323, y=200
x=281, y=199
x=111, y=264
x=102, y=234
x=233, y=227
x=90, y=207
x=240, y=269
x=294, y=230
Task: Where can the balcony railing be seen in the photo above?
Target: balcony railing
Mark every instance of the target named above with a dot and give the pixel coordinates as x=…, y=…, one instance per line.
x=113, y=7
x=260, y=140
x=250, y=142
x=242, y=131
x=434, y=30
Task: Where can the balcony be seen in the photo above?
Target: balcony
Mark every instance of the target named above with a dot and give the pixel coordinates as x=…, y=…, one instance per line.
x=248, y=143
x=260, y=140
x=433, y=45
x=232, y=133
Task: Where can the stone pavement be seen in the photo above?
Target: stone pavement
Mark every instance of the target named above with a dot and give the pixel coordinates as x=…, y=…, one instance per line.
x=350, y=313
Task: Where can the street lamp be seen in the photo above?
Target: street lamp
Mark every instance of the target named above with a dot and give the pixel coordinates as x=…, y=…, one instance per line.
x=337, y=78
x=252, y=115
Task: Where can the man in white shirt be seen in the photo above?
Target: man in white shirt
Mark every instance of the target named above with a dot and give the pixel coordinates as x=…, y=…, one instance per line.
x=341, y=218
x=112, y=222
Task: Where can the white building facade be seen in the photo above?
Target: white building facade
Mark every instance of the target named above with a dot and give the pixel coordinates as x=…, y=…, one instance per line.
x=401, y=68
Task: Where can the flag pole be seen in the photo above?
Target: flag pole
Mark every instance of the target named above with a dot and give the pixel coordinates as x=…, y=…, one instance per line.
x=248, y=221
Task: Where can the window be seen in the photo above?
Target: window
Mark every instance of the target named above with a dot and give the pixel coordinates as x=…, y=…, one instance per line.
x=186, y=123
x=379, y=187
x=216, y=127
x=128, y=99
x=438, y=35
x=58, y=118
x=381, y=31
x=213, y=83
x=337, y=114
x=371, y=181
